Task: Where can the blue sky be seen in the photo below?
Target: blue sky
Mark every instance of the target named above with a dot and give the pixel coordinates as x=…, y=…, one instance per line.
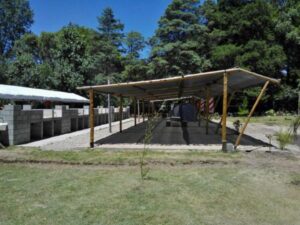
x=137, y=15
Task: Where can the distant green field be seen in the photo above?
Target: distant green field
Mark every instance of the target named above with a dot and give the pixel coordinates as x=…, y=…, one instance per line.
x=227, y=189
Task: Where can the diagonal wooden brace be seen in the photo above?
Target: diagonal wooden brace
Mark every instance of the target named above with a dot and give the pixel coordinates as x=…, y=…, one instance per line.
x=238, y=140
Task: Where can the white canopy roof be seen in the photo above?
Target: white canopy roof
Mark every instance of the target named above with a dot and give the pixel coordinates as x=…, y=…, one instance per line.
x=18, y=93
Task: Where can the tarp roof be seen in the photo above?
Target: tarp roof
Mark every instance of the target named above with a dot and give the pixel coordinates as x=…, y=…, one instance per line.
x=17, y=93
x=184, y=86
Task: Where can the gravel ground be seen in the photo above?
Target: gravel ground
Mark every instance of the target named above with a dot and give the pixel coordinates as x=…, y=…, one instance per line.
x=129, y=138
x=78, y=139
x=259, y=131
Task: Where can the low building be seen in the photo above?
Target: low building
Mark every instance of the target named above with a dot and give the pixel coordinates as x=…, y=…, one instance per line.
x=21, y=124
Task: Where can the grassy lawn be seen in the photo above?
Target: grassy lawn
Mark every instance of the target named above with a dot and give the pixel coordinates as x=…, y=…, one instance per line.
x=269, y=120
x=113, y=157
x=244, y=189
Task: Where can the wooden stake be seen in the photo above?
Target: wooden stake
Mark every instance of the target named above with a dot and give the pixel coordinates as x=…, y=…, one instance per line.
x=224, y=116
x=134, y=110
x=149, y=110
x=121, y=112
x=238, y=140
x=91, y=117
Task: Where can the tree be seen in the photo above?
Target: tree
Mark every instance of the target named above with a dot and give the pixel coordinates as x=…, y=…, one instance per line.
x=134, y=42
x=3, y=70
x=110, y=28
x=134, y=68
x=180, y=42
x=107, y=48
x=72, y=62
x=242, y=34
x=22, y=71
x=16, y=18
x=22, y=68
x=288, y=31
x=53, y=61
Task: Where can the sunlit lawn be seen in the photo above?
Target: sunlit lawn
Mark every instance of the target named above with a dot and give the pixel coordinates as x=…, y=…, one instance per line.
x=216, y=193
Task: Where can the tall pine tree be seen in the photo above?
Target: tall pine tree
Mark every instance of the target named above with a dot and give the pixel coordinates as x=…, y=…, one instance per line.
x=108, y=47
x=180, y=42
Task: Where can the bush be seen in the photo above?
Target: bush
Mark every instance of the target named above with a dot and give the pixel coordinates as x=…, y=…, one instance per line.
x=243, y=108
x=284, y=138
x=243, y=112
x=270, y=112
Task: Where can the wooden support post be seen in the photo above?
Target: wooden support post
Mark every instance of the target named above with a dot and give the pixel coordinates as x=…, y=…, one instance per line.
x=138, y=109
x=149, y=110
x=224, y=116
x=153, y=108
x=228, y=104
x=143, y=108
x=91, y=117
x=207, y=109
x=121, y=112
x=134, y=110
x=238, y=140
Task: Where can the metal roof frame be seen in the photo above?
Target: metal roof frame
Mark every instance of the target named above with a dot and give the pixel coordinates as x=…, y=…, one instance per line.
x=184, y=86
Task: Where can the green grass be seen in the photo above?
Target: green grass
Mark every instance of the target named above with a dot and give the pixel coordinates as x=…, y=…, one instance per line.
x=112, y=157
x=255, y=190
x=269, y=120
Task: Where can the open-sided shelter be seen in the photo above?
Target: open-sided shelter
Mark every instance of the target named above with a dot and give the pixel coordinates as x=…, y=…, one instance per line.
x=209, y=84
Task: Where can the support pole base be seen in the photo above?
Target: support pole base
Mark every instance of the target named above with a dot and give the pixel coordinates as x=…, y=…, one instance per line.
x=224, y=146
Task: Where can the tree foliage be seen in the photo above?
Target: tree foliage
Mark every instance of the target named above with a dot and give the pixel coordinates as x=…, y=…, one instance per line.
x=16, y=18
x=180, y=42
x=192, y=36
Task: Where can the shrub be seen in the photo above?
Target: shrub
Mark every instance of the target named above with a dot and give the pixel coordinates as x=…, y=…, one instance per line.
x=243, y=108
x=270, y=112
x=147, y=139
x=284, y=138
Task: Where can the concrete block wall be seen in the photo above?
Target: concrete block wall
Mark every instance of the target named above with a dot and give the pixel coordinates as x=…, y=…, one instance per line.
x=65, y=119
x=25, y=125
x=4, y=137
x=48, y=128
x=18, y=124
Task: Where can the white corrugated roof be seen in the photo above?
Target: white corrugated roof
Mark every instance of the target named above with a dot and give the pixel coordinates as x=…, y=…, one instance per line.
x=12, y=92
